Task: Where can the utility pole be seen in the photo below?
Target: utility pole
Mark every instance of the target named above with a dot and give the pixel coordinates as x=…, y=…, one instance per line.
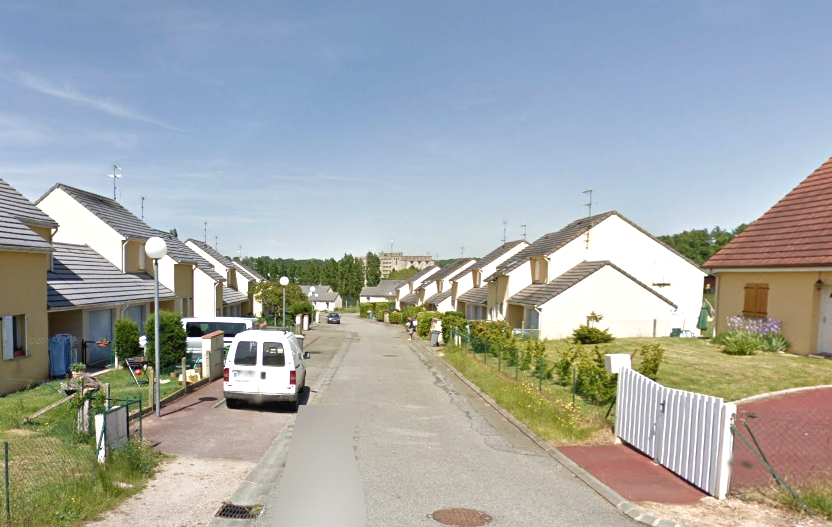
x=115, y=176
x=504, y=231
x=524, y=231
x=589, y=214
x=205, y=233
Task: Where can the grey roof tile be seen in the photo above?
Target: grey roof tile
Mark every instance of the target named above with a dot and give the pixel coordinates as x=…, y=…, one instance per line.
x=232, y=296
x=83, y=278
x=490, y=257
x=329, y=296
x=14, y=204
x=16, y=237
x=213, y=253
x=383, y=288
x=251, y=270
x=410, y=299
x=449, y=270
x=538, y=294
x=478, y=295
x=419, y=276
x=438, y=298
x=243, y=271
x=109, y=211
x=184, y=254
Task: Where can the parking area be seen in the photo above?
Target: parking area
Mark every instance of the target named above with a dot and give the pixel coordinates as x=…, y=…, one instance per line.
x=200, y=425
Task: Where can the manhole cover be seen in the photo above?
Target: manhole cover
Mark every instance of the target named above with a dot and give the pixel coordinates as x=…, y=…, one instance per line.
x=461, y=517
x=239, y=512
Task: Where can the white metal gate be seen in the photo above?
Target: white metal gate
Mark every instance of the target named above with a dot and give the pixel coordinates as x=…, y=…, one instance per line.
x=689, y=433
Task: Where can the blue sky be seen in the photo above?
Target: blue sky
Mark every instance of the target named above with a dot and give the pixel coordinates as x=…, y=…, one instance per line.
x=310, y=129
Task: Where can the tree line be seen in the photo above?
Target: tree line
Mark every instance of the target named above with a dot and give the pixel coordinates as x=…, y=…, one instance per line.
x=700, y=244
x=347, y=276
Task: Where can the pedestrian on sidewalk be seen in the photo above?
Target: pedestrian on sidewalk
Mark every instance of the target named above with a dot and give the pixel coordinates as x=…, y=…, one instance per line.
x=411, y=328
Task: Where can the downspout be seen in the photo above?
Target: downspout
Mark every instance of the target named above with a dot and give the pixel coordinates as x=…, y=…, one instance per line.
x=124, y=255
x=52, y=242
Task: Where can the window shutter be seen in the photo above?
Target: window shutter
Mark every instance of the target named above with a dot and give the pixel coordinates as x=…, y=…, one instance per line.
x=750, y=305
x=762, y=300
x=7, y=330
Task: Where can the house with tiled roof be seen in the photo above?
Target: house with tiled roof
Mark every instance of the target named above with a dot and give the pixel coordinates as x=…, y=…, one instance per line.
x=607, y=237
x=247, y=280
x=780, y=267
x=469, y=281
x=236, y=302
x=407, y=292
x=435, y=291
x=385, y=291
x=87, y=293
x=25, y=257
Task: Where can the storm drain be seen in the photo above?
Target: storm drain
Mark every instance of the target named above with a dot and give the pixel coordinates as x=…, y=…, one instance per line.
x=239, y=512
x=461, y=517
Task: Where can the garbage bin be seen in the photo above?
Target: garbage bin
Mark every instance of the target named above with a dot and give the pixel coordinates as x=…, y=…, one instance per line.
x=369, y=314
x=434, y=338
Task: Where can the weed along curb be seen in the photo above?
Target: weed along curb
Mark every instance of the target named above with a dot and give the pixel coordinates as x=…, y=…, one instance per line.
x=623, y=505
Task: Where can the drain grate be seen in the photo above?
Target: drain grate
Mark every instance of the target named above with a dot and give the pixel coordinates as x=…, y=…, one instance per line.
x=461, y=517
x=239, y=512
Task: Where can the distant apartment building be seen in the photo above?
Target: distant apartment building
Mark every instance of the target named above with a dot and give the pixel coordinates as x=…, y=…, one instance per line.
x=397, y=261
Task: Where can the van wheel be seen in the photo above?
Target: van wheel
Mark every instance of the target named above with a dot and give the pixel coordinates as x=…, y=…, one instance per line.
x=232, y=403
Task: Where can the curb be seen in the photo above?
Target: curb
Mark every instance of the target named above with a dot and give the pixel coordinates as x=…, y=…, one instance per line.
x=619, y=502
x=769, y=395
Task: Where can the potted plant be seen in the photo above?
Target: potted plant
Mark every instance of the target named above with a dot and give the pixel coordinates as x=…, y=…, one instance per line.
x=77, y=369
x=103, y=341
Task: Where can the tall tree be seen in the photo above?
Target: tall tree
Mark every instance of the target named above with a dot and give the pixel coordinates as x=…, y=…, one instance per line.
x=402, y=274
x=700, y=244
x=329, y=273
x=373, y=270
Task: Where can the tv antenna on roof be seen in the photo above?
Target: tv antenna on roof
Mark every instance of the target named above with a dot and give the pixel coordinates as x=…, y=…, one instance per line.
x=205, y=232
x=143, y=198
x=217, y=243
x=115, y=176
x=504, y=231
x=524, y=231
x=589, y=214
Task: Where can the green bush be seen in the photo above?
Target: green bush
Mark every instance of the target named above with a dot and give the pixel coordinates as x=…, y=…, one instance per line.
x=491, y=336
x=380, y=307
x=396, y=317
x=301, y=308
x=591, y=335
x=652, y=356
x=364, y=307
x=379, y=315
x=741, y=343
x=593, y=381
x=774, y=342
x=424, y=318
x=452, y=320
x=412, y=311
x=172, y=343
x=126, y=342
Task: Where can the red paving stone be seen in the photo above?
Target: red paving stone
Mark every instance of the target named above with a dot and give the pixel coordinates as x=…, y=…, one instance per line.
x=793, y=431
x=633, y=475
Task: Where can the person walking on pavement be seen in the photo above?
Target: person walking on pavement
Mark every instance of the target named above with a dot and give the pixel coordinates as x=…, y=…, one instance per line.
x=411, y=328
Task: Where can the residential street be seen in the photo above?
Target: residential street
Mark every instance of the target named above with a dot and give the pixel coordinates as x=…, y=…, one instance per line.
x=425, y=442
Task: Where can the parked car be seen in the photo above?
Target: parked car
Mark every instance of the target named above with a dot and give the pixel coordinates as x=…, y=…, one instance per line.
x=264, y=365
x=333, y=318
x=196, y=327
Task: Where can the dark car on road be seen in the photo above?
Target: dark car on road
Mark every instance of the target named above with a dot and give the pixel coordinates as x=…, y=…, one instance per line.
x=333, y=318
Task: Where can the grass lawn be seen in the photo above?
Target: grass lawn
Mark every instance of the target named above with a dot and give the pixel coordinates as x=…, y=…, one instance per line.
x=549, y=413
x=698, y=366
x=122, y=386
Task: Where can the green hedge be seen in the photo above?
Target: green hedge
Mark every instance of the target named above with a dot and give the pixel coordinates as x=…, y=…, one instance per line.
x=126, y=342
x=364, y=307
x=452, y=320
x=397, y=317
x=171, y=339
x=424, y=318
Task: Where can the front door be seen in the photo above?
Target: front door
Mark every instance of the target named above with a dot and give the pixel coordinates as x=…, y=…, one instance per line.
x=825, y=321
x=101, y=329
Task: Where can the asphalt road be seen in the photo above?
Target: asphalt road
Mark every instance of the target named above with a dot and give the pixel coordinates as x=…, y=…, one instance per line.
x=424, y=441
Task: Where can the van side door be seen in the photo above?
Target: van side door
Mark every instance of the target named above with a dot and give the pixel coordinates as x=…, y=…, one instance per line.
x=274, y=375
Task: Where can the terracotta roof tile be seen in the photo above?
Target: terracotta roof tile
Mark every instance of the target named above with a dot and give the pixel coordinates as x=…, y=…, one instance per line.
x=795, y=232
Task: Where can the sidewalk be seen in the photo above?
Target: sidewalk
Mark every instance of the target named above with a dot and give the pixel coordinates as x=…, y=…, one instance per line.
x=633, y=475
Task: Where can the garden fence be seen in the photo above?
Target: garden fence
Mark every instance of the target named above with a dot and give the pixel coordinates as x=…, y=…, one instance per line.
x=782, y=452
x=48, y=460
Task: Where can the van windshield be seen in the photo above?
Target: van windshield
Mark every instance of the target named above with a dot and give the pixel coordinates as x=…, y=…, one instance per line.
x=198, y=329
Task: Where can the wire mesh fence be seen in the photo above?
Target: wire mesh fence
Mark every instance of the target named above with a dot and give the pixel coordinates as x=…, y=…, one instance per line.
x=49, y=447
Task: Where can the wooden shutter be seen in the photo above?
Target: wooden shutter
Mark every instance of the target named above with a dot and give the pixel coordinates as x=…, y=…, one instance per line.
x=756, y=300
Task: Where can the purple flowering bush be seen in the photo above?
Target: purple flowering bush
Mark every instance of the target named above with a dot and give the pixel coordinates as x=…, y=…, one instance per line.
x=747, y=335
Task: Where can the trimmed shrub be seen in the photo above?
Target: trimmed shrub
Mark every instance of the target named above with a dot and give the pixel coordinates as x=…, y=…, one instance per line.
x=396, y=317
x=424, y=318
x=452, y=320
x=172, y=344
x=412, y=311
x=741, y=343
x=591, y=335
x=126, y=342
x=775, y=342
x=380, y=307
x=652, y=356
x=301, y=308
x=364, y=307
x=379, y=315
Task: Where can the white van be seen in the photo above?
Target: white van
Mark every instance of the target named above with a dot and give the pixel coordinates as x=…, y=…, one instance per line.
x=264, y=365
x=196, y=327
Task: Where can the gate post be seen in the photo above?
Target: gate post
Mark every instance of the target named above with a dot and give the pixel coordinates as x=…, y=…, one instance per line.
x=726, y=451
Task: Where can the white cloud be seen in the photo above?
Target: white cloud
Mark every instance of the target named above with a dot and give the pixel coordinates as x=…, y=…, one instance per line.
x=107, y=106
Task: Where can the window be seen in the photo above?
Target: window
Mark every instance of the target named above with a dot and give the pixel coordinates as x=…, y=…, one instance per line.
x=198, y=329
x=246, y=353
x=13, y=336
x=756, y=300
x=273, y=354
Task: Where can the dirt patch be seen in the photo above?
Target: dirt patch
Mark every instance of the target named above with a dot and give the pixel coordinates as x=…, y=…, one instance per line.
x=186, y=492
x=731, y=513
x=19, y=432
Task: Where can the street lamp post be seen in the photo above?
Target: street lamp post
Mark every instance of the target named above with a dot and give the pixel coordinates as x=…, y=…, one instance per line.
x=156, y=248
x=284, y=281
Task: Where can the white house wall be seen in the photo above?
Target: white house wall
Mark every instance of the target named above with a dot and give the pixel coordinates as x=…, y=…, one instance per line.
x=630, y=249
x=462, y=286
x=205, y=295
x=80, y=226
x=628, y=309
